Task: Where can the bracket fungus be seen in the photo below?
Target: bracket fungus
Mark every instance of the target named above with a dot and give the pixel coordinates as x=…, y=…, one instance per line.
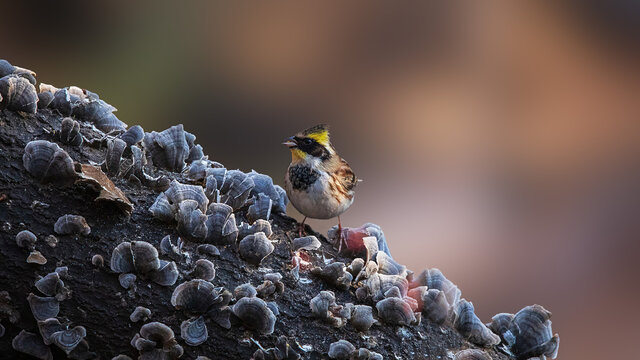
x=271, y=287
x=244, y=290
x=341, y=350
x=260, y=209
x=48, y=327
x=377, y=285
x=236, y=188
x=387, y=266
x=396, y=311
x=434, y=279
x=174, y=251
x=355, y=267
x=47, y=162
x=43, y=308
x=132, y=136
x=96, y=111
x=208, y=249
x=169, y=149
x=194, y=331
x=44, y=99
x=335, y=274
x=18, y=94
x=188, y=206
x=362, y=317
x=140, y=313
x=191, y=220
x=7, y=69
x=436, y=307
x=31, y=344
x=528, y=333
x=197, y=297
x=166, y=275
x=67, y=340
x=470, y=326
x=70, y=132
x=52, y=285
x=263, y=184
x=197, y=172
x=353, y=239
x=142, y=258
x=97, y=260
x=471, y=354
x=26, y=239
x=366, y=354
x=254, y=248
x=113, y=156
x=324, y=306
x=204, y=269
x=255, y=314
x=71, y=224
x=221, y=225
x=145, y=257
x=306, y=243
x=127, y=281
x=177, y=193
x=500, y=324
x=259, y=225
x=121, y=357
x=157, y=341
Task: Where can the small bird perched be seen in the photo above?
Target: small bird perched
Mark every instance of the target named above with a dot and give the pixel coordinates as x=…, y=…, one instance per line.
x=319, y=183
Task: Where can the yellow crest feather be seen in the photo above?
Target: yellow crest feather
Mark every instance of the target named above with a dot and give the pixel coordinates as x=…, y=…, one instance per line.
x=322, y=137
x=319, y=133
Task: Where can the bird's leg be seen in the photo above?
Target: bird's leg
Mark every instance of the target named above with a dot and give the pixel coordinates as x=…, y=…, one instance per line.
x=301, y=227
x=340, y=235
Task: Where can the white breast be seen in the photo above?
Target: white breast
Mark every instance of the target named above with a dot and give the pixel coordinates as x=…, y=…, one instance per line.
x=316, y=202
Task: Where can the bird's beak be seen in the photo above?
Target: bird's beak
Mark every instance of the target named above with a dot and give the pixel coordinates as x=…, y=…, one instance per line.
x=290, y=142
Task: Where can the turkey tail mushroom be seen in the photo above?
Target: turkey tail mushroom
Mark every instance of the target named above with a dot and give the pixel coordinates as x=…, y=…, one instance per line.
x=255, y=314
x=470, y=326
x=194, y=331
x=31, y=344
x=47, y=162
x=18, y=94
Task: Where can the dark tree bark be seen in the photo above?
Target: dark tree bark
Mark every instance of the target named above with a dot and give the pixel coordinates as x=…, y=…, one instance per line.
x=102, y=306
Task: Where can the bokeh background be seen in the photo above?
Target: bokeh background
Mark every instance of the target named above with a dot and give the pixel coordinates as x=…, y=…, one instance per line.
x=498, y=140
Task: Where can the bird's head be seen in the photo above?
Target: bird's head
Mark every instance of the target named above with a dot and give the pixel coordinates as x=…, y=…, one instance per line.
x=310, y=145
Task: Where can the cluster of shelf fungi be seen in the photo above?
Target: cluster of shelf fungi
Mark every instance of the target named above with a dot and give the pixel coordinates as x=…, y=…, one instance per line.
x=215, y=208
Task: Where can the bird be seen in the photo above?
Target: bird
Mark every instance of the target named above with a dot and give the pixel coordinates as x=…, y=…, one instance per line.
x=319, y=183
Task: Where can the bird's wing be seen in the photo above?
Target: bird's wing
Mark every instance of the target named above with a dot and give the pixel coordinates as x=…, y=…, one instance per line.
x=346, y=176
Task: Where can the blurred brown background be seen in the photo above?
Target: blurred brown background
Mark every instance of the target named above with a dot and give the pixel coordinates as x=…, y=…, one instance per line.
x=498, y=140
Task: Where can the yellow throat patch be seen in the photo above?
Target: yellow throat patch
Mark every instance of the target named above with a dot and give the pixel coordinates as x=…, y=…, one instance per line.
x=297, y=155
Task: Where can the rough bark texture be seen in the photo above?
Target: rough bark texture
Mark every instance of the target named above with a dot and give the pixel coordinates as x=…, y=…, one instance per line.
x=103, y=307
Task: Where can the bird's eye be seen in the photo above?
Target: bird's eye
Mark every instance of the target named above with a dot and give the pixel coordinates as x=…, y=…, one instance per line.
x=308, y=141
